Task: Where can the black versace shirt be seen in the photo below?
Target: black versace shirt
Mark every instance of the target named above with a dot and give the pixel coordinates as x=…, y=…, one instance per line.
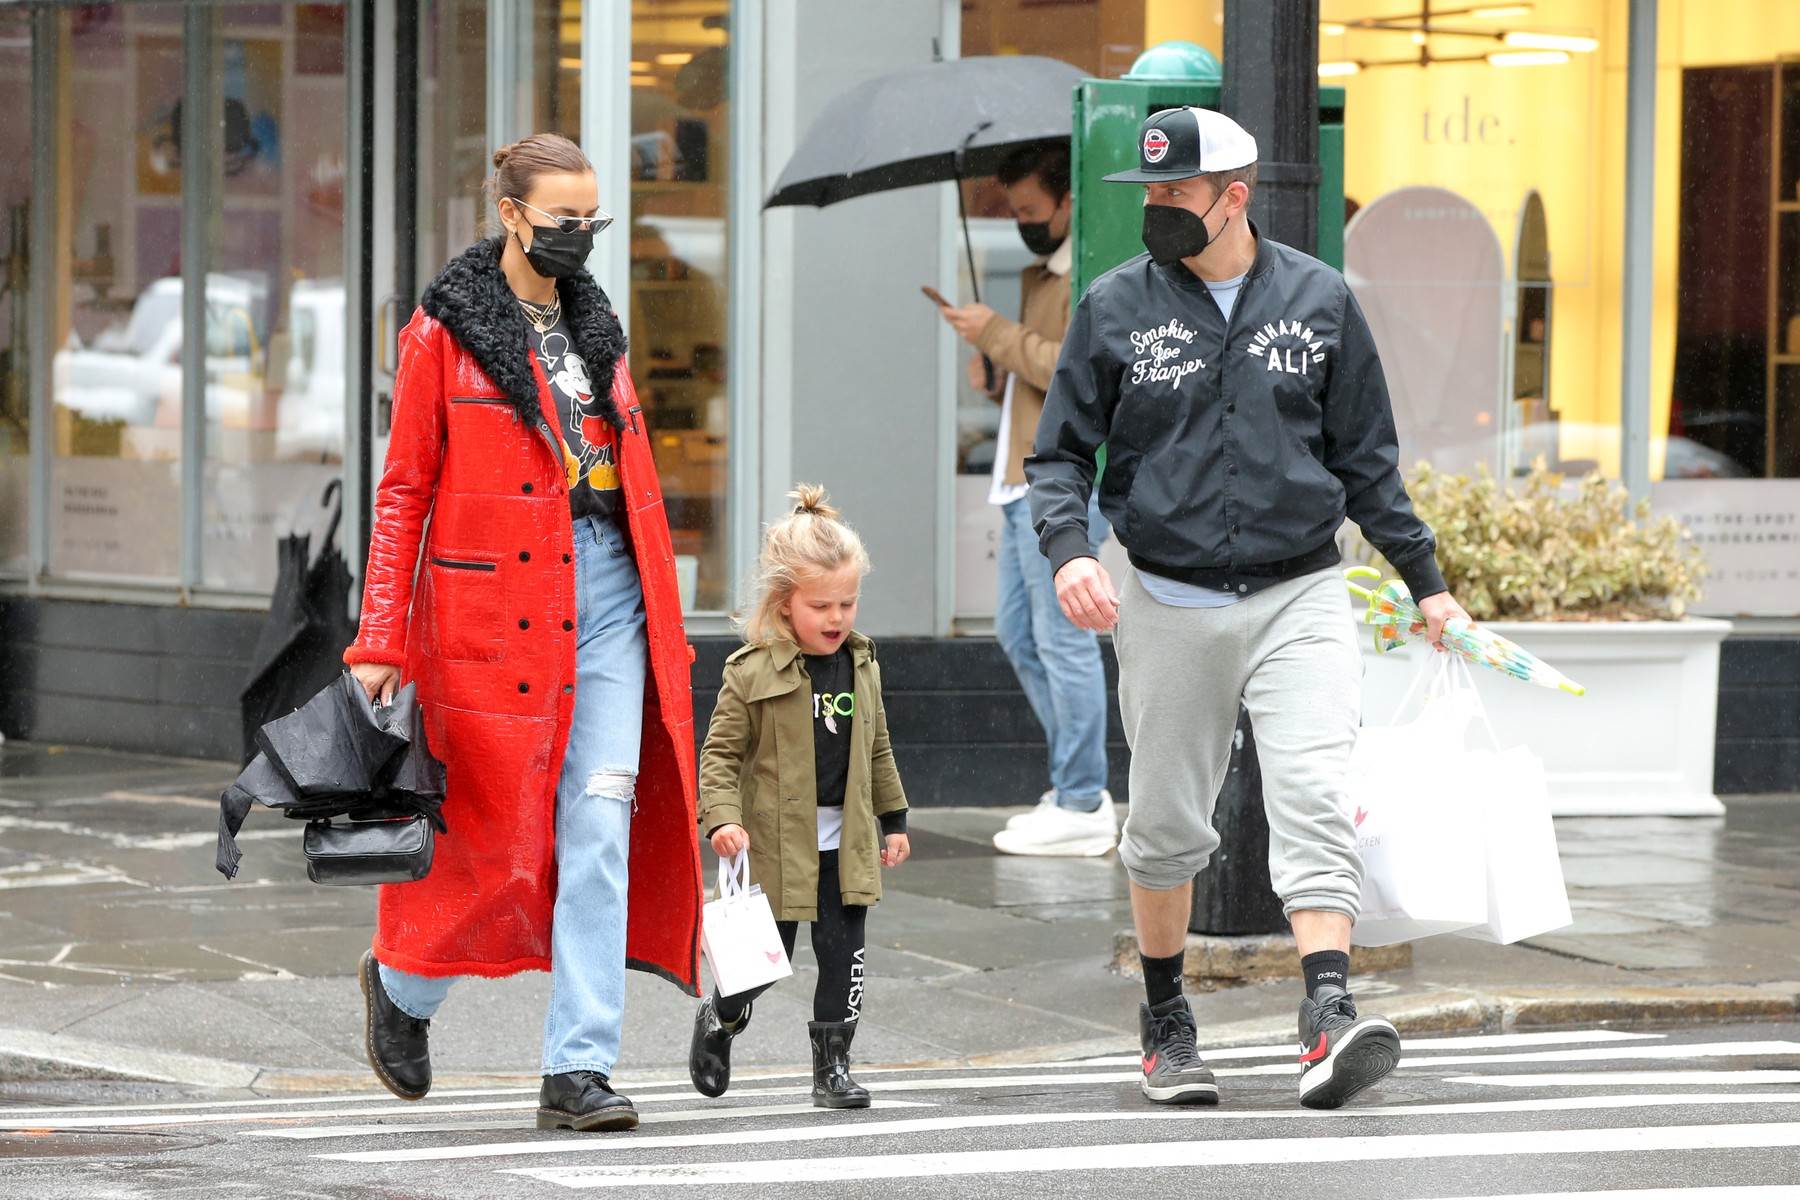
x=590, y=446
x=834, y=709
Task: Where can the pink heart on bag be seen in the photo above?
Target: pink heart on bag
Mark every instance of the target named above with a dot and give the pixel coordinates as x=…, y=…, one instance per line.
x=774, y=955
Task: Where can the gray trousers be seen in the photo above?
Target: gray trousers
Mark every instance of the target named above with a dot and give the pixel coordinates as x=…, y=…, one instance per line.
x=1289, y=652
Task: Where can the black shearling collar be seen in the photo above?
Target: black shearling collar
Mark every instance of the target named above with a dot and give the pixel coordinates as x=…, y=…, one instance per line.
x=471, y=299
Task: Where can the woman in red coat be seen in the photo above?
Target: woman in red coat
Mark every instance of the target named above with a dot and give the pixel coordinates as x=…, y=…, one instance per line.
x=544, y=631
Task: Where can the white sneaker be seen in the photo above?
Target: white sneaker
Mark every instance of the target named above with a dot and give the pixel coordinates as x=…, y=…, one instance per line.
x=1055, y=832
x=1047, y=800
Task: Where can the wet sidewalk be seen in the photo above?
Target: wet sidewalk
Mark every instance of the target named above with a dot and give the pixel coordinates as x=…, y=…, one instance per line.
x=123, y=953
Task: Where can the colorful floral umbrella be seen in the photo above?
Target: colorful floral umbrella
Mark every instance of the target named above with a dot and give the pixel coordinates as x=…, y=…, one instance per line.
x=1397, y=619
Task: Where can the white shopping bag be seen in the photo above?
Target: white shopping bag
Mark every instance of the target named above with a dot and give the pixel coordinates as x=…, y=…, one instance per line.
x=1525, y=891
x=1424, y=861
x=738, y=934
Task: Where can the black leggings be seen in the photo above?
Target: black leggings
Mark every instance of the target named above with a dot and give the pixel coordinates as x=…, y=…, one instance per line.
x=837, y=941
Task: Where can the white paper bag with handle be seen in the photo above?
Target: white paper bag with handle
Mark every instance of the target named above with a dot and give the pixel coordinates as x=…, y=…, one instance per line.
x=738, y=934
x=1526, y=895
x=1424, y=861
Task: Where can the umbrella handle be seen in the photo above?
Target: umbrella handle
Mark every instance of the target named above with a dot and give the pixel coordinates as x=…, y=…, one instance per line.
x=1351, y=573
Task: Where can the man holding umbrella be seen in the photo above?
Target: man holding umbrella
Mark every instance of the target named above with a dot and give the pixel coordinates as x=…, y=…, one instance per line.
x=1238, y=390
x=1057, y=662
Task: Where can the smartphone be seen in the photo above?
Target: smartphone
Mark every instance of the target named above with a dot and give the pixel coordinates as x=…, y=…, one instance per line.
x=932, y=295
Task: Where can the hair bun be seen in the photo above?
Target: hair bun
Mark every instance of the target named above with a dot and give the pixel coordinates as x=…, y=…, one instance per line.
x=810, y=498
x=501, y=155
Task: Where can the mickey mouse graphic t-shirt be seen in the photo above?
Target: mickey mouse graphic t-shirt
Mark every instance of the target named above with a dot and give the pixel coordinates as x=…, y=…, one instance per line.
x=590, y=446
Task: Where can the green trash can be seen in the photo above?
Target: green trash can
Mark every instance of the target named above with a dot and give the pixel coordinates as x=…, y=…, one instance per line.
x=1109, y=216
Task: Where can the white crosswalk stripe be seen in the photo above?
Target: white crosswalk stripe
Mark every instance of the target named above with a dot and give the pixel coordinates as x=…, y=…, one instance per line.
x=1578, y=1095
x=1157, y=1155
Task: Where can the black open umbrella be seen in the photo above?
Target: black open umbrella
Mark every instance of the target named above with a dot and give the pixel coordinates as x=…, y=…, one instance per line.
x=936, y=123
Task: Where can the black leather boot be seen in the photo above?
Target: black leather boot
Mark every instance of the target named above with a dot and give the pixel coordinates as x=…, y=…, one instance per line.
x=585, y=1102
x=398, y=1044
x=709, y=1056
x=832, y=1085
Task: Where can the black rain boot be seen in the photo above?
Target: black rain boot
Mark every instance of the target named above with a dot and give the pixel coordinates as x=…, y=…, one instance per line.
x=397, y=1043
x=832, y=1085
x=709, y=1055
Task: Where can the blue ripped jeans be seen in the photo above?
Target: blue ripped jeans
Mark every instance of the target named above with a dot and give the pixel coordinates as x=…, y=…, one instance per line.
x=594, y=800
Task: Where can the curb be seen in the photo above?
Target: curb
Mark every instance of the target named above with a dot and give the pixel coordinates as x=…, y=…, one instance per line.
x=29, y=1055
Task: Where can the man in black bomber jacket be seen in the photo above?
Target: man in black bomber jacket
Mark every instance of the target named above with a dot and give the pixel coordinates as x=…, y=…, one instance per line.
x=1240, y=397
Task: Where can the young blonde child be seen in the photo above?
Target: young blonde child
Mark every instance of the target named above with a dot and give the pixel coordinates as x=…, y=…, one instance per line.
x=819, y=827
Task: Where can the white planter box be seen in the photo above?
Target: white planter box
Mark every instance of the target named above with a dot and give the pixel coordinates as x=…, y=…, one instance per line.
x=1639, y=743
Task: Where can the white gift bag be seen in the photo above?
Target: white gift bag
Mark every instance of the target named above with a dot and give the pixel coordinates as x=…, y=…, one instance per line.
x=738, y=934
x=1424, y=861
x=1526, y=895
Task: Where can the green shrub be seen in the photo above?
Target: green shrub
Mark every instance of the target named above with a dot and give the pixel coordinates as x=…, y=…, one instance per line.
x=1536, y=552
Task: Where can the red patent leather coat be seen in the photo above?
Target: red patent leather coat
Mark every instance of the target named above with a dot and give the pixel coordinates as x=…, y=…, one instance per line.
x=493, y=650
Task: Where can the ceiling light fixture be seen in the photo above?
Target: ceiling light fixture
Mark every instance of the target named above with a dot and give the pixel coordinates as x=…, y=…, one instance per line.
x=1337, y=70
x=1516, y=48
x=1551, y=41
x=1527, y=58
x=1332, y=29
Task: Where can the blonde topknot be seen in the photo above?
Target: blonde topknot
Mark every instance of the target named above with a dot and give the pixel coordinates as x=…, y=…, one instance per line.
x=813, y=539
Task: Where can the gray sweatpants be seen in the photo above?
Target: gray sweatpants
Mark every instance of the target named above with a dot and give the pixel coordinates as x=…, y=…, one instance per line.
x=1289, y=652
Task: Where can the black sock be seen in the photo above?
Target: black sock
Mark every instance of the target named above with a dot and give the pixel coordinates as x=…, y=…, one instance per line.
x=1325, y=967
x=1162, y=977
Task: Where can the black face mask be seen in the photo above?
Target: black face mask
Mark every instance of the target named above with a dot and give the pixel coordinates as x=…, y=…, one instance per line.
x=555, y=254
x=1172, y=234
x=1038, y=239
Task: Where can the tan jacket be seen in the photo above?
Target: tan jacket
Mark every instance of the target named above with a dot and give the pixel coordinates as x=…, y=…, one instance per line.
x=1027, y=349
x=756, y=770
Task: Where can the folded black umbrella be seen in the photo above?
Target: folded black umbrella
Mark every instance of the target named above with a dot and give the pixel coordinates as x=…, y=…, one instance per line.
x=300, y=647
x=337, y=756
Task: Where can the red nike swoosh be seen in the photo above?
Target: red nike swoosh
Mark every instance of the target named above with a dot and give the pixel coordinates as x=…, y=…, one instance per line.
x=1150, y=1063
x=774, y=956
x=1361, y=815
x=1318, y=1051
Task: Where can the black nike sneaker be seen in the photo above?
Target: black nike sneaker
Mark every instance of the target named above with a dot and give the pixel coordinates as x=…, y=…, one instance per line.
x=1341, y=1054
x=1173, y=1071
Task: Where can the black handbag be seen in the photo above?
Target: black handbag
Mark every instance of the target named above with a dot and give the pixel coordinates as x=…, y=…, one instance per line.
x=382, y=850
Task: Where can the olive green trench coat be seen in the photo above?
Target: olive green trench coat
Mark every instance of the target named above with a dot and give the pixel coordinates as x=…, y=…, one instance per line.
x=756, y=770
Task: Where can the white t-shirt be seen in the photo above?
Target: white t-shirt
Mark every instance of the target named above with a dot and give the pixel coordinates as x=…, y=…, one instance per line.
x=831, y=826
x=1000, y=492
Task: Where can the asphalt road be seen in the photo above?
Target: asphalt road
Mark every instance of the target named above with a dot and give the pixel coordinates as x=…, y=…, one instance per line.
x=1712, y=1112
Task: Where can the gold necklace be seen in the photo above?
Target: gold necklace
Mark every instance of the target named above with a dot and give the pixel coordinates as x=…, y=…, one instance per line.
x=543, y=317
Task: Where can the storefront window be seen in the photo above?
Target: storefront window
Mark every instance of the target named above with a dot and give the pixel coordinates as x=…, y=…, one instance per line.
x=115, y=314
x=453, y=158
x=275, y=332
x=15, y=282
x=555, y=77
x=1484, y=176
x=679, y=243
x=1725, y=346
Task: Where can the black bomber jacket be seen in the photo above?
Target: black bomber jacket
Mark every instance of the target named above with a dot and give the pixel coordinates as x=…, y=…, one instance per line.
x=1234, y=450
